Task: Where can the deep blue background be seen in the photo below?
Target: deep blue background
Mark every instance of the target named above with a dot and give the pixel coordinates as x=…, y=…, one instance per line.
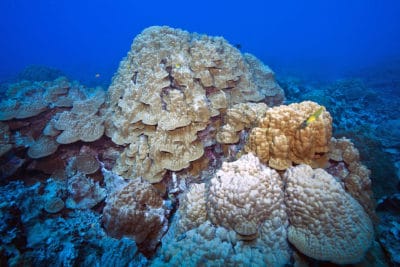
x=83, y=38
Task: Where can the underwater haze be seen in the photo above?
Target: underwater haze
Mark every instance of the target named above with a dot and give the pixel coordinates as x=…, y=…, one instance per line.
x=85, y=38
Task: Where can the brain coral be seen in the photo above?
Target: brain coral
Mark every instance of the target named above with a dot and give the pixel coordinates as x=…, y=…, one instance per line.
x=243, y=194
x=281, y=138
x=166, y=91
x=326, y=223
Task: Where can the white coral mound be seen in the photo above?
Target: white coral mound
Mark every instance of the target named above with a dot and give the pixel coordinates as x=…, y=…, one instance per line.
x=326, y=223
x=243, y=194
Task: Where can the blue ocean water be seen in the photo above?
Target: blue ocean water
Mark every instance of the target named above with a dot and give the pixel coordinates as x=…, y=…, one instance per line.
x=80, y=176
x=83, y=38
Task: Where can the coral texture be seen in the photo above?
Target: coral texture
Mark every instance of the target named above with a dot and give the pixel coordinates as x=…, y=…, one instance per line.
x=239, y=117
x=243, y=194
x=282, y=138
x=42, y=147
x=192, y=208
x=84, y=193
x=82, y=122
x=136, y=211
x=209, y=245
x=354, y=174
x=5, y=142
x=326, y=223
x=166, y=91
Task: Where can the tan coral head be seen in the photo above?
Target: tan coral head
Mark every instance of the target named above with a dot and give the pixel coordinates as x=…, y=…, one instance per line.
x=293, y=134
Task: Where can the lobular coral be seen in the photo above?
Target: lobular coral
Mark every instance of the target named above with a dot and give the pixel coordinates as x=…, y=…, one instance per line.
x=209, y=245
x=167, y=90
x=136, y=211
x=326, y=223
x=243, y=194
x=192, y=208
x=282, y=137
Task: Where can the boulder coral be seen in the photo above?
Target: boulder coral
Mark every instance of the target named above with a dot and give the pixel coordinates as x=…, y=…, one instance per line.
x=167, y=90
x=326, y=223
x=282, y=139
x=306, y=207
x=243, y=194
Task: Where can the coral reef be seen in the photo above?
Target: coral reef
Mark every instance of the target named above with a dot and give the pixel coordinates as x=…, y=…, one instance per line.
x=281, y=139
x=168, y=89
x=170, y=177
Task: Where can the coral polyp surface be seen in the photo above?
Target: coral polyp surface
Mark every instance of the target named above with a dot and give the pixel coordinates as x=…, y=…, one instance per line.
x=167, y=90
x=243, y=194
x=326, y=223
x=292, y=135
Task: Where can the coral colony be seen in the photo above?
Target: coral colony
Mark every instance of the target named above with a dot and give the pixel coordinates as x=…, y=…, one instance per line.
x=189, y=158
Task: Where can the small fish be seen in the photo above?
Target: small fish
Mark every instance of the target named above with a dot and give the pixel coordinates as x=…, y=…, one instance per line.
x=313, y=117
x=97, y=75
x=177, y=66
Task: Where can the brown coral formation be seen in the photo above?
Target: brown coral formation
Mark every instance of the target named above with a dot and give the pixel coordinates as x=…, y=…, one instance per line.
x=243, y=194
x=354, y=174
x=85, y=163
x=326, y=223
x=136, y=211
x=281, y=138
x=167, y=90
x=83, y=192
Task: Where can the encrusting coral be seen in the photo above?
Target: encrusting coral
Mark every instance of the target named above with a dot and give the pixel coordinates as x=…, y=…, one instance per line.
x=137, y=211
x=167, y=90
x=284, y=137
x=326, y=223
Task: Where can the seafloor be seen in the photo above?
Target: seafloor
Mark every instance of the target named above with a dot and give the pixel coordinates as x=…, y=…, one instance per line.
x=200, y=155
